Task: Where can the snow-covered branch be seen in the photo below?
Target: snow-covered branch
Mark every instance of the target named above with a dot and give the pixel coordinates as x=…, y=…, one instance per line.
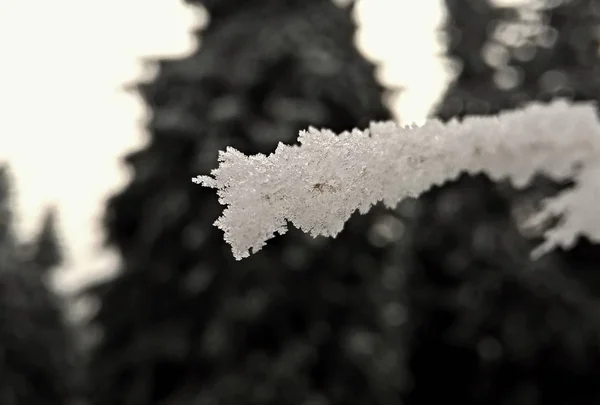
x=318, y=184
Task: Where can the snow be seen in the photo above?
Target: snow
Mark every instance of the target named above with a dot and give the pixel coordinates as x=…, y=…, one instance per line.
x=319, y=184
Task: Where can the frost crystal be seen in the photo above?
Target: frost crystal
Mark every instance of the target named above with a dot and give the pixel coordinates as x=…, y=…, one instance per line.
x=320, y=183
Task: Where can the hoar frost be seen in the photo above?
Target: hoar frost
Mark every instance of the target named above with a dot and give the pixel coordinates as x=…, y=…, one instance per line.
x=318, y=184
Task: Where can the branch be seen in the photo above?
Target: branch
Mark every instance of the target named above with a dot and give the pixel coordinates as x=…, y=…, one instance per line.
x=320, y=183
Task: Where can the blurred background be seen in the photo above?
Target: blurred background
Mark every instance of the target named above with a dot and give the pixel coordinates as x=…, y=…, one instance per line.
x=116, y=288
x=66, y=63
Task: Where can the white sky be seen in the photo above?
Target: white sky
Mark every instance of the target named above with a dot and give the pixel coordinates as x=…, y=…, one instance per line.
x=64, y=120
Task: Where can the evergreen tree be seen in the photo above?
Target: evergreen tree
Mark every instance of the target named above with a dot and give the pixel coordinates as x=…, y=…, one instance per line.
x=490, y=325
x=509, y=57
x=303, y=321
x=7, y=236
x=46, y=251
x=37, y=365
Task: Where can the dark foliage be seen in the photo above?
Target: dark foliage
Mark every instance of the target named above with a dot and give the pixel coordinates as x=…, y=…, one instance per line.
x=490, y=325
x=36, y=360
x=304, y=321
x=508, y=57
x=46, y=251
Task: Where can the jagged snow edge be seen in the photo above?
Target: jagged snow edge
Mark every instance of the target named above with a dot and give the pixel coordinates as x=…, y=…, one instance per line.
x=319, y=184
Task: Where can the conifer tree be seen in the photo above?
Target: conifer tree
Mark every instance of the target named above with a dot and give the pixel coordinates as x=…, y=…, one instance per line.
x=46, y=250
x=37, y=363
x=303, y=321
x=491, y=325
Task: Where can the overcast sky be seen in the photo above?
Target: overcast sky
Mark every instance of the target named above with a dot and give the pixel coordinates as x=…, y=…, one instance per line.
x=64, y=120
